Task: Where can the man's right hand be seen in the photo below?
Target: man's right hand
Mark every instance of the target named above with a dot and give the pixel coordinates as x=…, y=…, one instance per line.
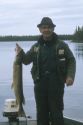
x=17, y=49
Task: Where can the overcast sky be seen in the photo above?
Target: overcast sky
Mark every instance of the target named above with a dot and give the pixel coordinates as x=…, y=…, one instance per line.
x=20, y=17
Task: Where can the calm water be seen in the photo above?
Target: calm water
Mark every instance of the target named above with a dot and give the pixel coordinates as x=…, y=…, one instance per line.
x=73, y=97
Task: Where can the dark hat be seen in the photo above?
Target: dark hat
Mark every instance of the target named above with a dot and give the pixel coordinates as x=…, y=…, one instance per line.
x=46, y=21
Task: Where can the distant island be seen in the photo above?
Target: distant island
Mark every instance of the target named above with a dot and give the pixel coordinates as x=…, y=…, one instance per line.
x=77, y=36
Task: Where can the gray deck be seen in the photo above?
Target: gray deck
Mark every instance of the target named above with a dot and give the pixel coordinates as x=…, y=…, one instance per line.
x=33, y=122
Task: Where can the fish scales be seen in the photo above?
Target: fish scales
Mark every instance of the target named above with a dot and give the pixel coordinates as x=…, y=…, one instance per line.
x=18, y=86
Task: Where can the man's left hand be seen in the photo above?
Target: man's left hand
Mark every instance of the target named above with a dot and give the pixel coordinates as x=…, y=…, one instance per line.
x=69, y=81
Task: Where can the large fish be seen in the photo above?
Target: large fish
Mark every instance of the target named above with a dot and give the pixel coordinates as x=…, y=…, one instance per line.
x=17, y=85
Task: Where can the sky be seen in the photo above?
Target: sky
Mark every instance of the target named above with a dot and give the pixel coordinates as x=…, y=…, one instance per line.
x=20, y=17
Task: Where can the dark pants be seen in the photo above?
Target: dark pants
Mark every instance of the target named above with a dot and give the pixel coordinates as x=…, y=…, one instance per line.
x=49, y=93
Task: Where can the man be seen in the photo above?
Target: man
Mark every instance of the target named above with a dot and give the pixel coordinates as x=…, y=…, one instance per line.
x=53, y=66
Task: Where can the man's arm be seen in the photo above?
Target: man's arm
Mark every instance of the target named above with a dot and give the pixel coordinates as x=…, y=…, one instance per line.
x=71, y=66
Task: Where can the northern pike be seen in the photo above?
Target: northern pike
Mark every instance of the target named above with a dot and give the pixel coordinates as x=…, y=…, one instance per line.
x=17, y=85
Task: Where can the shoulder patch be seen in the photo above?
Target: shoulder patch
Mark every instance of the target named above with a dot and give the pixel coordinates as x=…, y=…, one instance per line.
x=36, y=49
x=61, y=51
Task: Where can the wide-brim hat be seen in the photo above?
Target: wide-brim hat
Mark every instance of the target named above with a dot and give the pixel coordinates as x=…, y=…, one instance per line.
x=46, y=21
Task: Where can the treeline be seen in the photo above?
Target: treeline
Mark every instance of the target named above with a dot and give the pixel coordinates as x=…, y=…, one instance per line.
x=65, y=37
x=19, y=38
x=31, y=38
x=77, y=36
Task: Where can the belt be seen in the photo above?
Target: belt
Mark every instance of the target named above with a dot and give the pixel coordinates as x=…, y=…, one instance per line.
x=47, y=72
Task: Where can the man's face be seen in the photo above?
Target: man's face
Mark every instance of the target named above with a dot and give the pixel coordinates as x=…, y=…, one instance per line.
x=46, y=30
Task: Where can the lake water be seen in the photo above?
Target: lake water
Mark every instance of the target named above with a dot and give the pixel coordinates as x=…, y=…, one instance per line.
x=73, y=97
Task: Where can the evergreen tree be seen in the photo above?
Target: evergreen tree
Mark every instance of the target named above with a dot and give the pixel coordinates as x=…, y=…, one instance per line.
x=78, y=34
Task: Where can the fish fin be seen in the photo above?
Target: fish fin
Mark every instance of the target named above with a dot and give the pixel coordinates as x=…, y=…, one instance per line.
x=21, y=112
x=12, y=86
x=23, y=100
